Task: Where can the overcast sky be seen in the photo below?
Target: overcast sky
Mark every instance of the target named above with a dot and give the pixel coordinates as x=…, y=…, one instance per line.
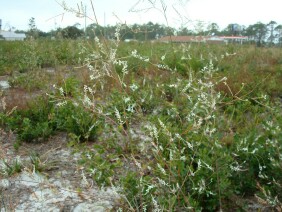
x=49, y=14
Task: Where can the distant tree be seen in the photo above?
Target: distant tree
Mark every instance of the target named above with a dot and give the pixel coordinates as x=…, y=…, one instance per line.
x=32, y=32
x=271, y=26
x=20, y=31
x=94, y=30
x=184, y=32
x=161, y=30
x=232, y=30
x=31, y=24
x=135, y=31
x=278, y=30
x=149, y=31
x=257, y=32
x=71, y=32
x=57, y=33
x=199, y=28
x=213, y=29
x=243, y=30
x=42, y=34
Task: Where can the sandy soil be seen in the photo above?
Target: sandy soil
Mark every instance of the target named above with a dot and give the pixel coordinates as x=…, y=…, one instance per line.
x=61, y=186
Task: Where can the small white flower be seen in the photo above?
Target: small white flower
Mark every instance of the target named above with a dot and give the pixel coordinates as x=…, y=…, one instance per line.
x=127, y=99
x=134, y=53
x=183, y=158
x=161, y=169
x=87, y=101
x=150, y=187
x=97, y=39
x=133, y=87
x=92, y=172
x=60, y=104
x=61, y=90
x=130, y=108
x=85, y=88
x=88, y=156
x=118, y=116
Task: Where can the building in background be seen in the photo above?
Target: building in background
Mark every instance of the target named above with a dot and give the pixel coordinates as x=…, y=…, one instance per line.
x=10, y=35
x=204, y=39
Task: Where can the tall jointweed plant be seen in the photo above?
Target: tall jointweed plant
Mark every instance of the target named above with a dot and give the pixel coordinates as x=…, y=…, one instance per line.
x=189, y=154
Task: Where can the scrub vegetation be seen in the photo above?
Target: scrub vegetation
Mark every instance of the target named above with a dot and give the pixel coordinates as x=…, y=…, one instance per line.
x=176, y=127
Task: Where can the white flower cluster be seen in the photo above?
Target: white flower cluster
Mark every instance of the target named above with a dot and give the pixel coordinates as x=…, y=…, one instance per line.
x=124, y=65
x=135, y=54
x=118, y=116
x=153, y=131
x=86, y=101
x=164, y=67
x=269, y=126
x=161, y=169
x=117, y=32
x=133, y=87
x=166, y=131
x=61, y=104
x=156, y=205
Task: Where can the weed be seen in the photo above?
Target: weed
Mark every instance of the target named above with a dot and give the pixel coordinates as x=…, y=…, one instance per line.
x=9, y=168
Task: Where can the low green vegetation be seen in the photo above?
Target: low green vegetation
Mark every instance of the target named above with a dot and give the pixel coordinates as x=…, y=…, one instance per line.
x=178, y=127
x=10, y=168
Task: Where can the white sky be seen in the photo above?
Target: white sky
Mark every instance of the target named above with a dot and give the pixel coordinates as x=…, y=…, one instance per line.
x=16, y=13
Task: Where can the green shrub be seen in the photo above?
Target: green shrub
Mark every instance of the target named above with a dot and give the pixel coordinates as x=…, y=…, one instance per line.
x=33, y=131
x=76, y=120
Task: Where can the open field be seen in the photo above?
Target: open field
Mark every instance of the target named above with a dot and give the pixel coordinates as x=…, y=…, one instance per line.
x=176, y=127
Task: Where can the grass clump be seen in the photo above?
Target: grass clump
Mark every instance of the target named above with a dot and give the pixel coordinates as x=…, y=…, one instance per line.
x=9, y=168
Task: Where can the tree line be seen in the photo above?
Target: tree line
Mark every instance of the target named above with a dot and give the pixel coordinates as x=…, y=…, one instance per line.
x=261, y=33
